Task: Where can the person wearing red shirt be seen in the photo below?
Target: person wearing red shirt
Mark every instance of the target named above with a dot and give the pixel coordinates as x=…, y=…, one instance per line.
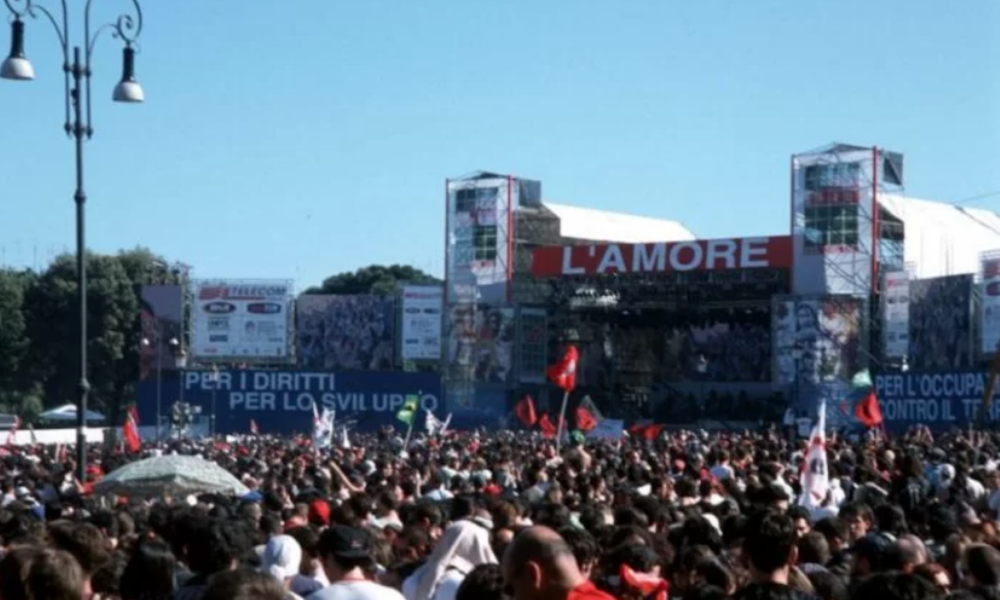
x=539, y=565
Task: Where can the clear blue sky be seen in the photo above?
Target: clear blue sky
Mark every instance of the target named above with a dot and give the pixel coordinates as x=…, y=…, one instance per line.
x=300, y=138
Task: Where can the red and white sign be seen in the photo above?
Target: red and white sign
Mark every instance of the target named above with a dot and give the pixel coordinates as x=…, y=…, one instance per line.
x=664, y=257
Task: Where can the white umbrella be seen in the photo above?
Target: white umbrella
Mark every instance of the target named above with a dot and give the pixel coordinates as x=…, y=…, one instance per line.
x=67, y=412
x=173, y=474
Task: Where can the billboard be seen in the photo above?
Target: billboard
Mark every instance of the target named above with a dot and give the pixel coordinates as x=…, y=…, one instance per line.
x=281, y=402
x=990, y=315
x=480, y=343
x=663, y=257
x=240, y=319
x=346, y=332
x=940, y=400
x=941, y=323
x=896, y=315
x=422, y=322
x=161, y=319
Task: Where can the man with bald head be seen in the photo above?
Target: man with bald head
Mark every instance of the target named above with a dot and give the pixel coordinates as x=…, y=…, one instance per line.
x=539, y=565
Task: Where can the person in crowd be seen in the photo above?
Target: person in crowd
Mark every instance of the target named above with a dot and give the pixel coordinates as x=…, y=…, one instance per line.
x=346, y=556
x=464, y=546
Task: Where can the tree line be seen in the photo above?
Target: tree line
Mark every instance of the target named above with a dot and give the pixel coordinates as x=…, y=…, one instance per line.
x=39, y=325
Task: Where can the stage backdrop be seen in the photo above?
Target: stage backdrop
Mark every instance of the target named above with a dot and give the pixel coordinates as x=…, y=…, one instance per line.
x=939, y=400
x=281, y=401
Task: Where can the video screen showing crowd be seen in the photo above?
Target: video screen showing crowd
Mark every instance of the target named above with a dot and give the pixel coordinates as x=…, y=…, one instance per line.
x=346, y=332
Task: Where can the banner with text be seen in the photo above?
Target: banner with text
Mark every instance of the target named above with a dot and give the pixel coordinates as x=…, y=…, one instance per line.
x=938, y=400
x=990, y=285
x=281, y=402
x=896, y=315
x=233, y=319
x=422, y=322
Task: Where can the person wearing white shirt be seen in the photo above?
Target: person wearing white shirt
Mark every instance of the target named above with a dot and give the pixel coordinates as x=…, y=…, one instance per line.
x=346, y=553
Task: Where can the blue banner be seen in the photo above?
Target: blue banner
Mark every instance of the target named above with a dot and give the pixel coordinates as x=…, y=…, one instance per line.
x=938, y=400
x=281, y=401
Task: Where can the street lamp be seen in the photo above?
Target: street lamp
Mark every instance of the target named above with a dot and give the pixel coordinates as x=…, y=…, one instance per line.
x=77, y=96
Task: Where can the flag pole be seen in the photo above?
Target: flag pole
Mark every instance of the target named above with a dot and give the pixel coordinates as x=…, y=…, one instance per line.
x=562, y=418
x=409, y=431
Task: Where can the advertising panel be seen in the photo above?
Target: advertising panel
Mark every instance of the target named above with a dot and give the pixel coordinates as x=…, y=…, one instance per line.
x=941, y=323
x=240, y=319
x=896, y=315
x=939, y=400
x=281, y=402
x=345, y=332
x=422, y=322
x=480, y=343
x=990, y=273
x=161, y=319
x=695, y=255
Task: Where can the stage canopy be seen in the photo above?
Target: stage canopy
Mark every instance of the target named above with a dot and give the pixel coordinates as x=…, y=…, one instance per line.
x=943, y=239
x=590, y=224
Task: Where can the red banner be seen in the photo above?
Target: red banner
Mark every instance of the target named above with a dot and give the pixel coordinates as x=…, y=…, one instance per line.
x=664, y=257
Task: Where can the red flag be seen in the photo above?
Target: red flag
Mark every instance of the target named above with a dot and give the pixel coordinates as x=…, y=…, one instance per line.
x=548, y=429
x=587, y=415
x=564, y=373
x=647, y=585
x=131, y=431
x=868, y=412
x=12, y=434
x=525, y=411
x=253, y=428
x=647, y=431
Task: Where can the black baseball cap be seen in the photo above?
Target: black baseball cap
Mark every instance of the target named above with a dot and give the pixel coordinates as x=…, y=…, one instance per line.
x=341, y=541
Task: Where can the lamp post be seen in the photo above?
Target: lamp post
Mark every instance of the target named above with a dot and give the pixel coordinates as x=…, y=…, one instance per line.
x=77, y=75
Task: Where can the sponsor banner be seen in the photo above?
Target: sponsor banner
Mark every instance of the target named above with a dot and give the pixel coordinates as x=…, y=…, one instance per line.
x=941, y=324
x=896, y=315
x=345, y=332
x=233, y=319
x=938, y=400
x=160, y=319
x=281, y=401
x=663, y=257
x=990, y=270
x=422, y=321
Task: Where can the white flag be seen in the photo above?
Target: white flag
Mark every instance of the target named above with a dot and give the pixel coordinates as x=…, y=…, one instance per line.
x=322, y=427
x=436, y=426
x=345, y=441
x=815, y=478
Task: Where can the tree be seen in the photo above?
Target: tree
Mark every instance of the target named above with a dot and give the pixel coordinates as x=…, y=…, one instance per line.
x=13, y=339
x=374, y=279
x=53, y=326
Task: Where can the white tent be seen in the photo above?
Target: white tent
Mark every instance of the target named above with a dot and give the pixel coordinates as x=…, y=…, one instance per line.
x=67, y=412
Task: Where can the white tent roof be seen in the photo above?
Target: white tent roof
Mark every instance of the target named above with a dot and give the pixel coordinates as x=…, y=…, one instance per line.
x=600, y=225
x=943, y=239
x=67, y=412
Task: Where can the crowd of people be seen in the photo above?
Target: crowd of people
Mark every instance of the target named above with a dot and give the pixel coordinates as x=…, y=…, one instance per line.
x=345, y=332
x=511, y=516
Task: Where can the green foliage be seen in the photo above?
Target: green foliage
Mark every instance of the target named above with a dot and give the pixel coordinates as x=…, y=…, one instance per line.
x=375, y=279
